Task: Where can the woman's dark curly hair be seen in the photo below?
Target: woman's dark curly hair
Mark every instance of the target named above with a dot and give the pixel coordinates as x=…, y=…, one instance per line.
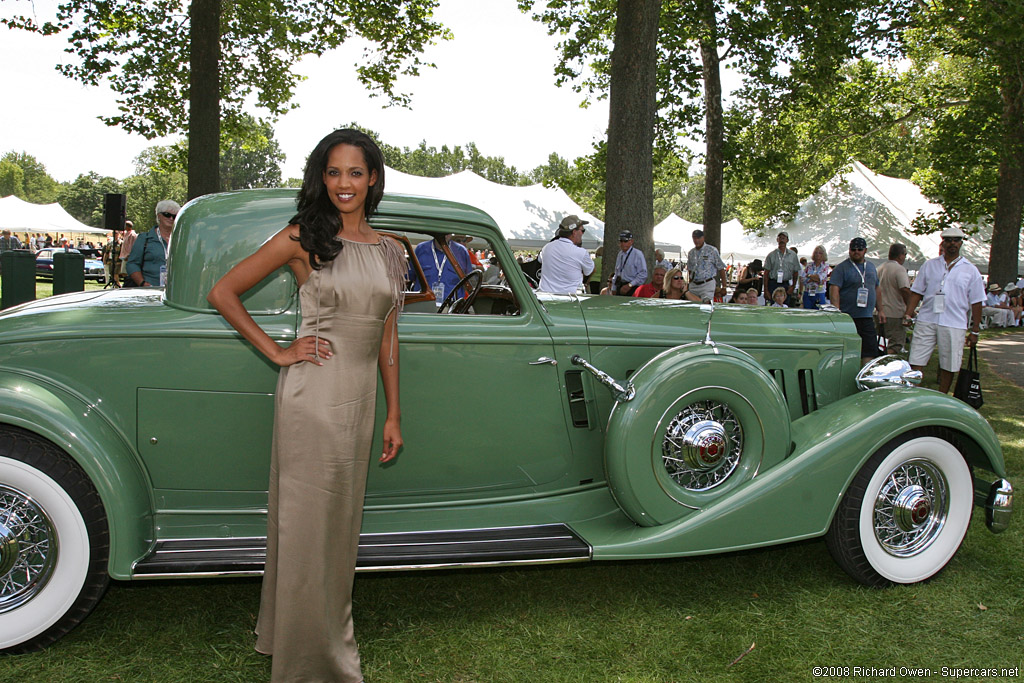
x=317, y=217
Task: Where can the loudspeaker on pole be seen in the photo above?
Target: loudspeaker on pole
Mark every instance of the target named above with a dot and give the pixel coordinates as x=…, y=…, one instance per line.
x=114, y=211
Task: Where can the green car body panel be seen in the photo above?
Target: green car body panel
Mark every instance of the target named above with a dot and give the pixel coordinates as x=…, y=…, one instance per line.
x=169, y=412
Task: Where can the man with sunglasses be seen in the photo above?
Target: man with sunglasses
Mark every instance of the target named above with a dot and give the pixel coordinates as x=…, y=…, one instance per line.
x=950, y=291
x=147, y=264
x=564, y=261
x=853, y=289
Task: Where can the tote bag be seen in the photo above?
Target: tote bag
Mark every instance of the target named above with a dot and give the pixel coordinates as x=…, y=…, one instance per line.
x=968, y=382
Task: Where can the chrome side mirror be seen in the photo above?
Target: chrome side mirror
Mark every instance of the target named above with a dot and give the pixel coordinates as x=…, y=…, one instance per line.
x=887, y=371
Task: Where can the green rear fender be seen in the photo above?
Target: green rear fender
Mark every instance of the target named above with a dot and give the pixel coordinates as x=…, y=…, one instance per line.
x=797, y=498
x=79, y=428
x=646, y=454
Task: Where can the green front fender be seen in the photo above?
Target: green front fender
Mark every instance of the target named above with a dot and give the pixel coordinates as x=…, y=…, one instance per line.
x=797, y=498
x=79, y=428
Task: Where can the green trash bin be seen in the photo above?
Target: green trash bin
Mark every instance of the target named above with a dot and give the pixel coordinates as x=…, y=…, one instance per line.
x=68, y=272
x=17, y=277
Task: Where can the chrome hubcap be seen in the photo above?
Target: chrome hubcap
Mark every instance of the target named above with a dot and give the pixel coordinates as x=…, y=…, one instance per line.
x=28, y=548
x=702, y=445
x=911, y=507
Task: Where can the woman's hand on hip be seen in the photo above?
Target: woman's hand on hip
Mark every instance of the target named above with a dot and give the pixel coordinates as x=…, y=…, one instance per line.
x=309, y=349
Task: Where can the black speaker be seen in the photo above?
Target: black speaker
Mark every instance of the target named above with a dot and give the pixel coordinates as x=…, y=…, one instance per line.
x=113, y=211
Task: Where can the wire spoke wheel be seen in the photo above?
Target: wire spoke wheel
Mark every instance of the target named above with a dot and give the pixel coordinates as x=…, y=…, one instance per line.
x=911, y=508
x=28, y=548
x=702, y=445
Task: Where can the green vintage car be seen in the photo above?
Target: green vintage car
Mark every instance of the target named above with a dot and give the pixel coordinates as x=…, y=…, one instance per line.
x=135, y=430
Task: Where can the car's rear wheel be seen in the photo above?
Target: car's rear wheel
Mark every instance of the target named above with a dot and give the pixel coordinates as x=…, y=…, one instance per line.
x=906, y=512
x=54, y=543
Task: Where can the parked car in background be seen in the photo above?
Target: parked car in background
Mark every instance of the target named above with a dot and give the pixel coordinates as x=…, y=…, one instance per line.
x=538, y=429
x=44, y=264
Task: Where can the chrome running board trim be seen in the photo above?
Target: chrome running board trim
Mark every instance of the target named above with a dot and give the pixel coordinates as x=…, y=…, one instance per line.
x=216, y=557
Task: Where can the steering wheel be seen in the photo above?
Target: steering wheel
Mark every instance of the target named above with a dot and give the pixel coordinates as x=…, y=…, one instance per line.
x=452, y=303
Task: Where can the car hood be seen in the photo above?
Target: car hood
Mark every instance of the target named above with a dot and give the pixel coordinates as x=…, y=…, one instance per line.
x=79, y=314
x=613, y=320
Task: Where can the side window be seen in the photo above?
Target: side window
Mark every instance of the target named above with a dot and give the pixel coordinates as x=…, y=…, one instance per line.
x=437, y=265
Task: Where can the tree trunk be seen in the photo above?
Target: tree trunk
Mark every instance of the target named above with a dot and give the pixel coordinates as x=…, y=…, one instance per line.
x=1009, y=213
x=204, y=98
x=714, y=134
x=629, y=194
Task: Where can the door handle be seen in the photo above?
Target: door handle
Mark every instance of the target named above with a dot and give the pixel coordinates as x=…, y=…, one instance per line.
x=544, y=360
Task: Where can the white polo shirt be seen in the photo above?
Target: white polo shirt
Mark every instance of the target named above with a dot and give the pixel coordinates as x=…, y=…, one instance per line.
x=963, y=287
x=563, y=266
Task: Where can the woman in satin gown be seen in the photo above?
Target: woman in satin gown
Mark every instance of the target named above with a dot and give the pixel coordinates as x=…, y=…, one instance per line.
x=350, y=291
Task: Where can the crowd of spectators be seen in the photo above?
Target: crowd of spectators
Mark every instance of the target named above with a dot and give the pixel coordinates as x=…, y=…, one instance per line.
x=954, y=301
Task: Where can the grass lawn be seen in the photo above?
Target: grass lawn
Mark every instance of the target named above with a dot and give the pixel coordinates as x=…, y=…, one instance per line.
x=652, y=621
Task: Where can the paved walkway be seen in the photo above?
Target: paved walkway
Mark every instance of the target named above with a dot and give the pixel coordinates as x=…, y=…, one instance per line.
x=1005, y=356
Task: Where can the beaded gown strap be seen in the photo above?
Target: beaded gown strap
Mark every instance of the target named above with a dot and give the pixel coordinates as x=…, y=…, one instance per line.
x=396, y=267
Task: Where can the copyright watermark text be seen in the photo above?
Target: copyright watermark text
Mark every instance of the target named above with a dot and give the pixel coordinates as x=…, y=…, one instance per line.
x=951, y=672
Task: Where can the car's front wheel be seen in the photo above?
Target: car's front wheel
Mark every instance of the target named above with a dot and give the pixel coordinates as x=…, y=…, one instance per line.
x=54, y=543
x=906, y=512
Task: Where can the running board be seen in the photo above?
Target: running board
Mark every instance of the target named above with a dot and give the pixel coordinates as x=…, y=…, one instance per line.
x=543, y=544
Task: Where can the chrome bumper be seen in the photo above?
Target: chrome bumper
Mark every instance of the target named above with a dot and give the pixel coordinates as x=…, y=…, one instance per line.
x=999, y=506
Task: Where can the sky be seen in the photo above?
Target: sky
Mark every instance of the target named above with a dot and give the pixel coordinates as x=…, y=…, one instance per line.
x=493, y=85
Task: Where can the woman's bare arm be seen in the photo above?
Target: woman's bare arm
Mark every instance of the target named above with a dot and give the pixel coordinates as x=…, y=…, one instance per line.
x=225, y=296
x=387, y=361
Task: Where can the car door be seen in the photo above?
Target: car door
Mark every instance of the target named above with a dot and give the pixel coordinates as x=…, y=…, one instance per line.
x=482, y=411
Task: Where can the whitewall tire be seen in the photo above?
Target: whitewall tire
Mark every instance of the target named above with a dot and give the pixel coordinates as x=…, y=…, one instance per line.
x=54, y=543
x=906, y=512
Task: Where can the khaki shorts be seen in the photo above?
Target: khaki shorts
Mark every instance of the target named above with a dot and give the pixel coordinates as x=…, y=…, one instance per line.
x=950, y=341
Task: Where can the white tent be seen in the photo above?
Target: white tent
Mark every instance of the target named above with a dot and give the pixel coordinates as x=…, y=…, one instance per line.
x=527, y=215
x=861, y=203
x=678, y=231
x=858, y=203
x=18, y=215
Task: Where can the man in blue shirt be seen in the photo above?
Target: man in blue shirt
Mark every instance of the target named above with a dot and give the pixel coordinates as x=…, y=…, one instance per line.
x=853, y=289
x=630, y=267
x=437, y=267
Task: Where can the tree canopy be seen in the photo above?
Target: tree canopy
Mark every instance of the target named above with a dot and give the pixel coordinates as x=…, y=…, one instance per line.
x=142, y=49
x=33, y=183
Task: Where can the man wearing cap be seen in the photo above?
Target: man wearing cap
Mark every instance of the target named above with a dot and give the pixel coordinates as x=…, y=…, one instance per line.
x=630, y=266
x=853, y=289
x=704, y=264
x=950, y=291
x=781, y=269
x=997, y=307
x=894, y=293
x=564, y=262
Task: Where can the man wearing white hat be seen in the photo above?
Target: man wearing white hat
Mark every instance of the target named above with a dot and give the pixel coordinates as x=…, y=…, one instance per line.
x=997, y=307
x=951, y=292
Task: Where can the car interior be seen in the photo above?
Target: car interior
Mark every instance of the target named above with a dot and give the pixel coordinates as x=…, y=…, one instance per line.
x=483, y=290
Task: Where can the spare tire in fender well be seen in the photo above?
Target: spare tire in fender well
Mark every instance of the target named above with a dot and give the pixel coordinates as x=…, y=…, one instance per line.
x=704, y=420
